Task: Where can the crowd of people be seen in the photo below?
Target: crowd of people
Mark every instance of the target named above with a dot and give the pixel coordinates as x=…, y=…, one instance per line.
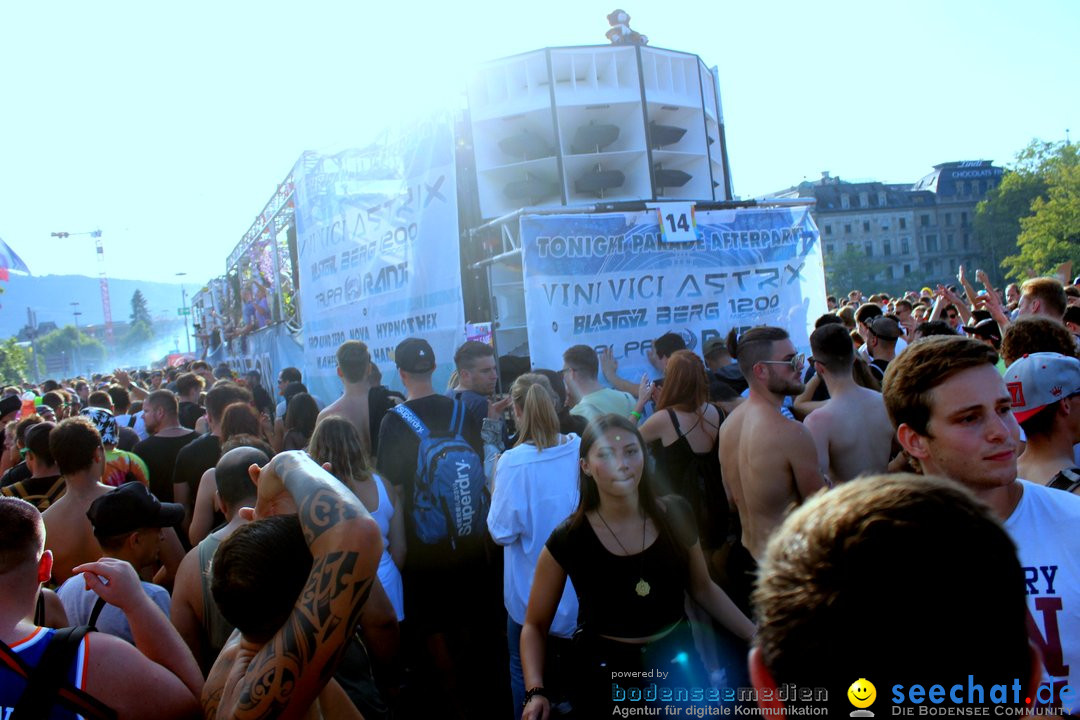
x=902, y=503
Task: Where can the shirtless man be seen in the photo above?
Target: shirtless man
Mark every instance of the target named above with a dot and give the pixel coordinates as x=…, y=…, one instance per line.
x=851, y=430
x=280, y=662
x=769, y=463
x=353, y=367
x=76, y=447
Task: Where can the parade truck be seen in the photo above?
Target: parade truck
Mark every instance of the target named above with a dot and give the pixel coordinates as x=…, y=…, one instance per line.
x=582, y=197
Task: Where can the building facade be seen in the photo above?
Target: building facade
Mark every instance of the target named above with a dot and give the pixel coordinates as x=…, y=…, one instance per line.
x=881, y=236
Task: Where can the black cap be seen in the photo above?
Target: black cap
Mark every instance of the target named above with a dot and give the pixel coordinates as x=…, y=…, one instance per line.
x=984, y=328
x=10, y=404
x=131, y=507
x=414, y=355
x=884, y=327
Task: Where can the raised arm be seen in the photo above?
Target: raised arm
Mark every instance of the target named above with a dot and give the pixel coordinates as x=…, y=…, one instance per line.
x=609, y=366
x=288, y=673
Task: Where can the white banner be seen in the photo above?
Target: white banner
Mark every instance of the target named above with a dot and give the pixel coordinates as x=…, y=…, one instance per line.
x=377, y=244
x=610, y=280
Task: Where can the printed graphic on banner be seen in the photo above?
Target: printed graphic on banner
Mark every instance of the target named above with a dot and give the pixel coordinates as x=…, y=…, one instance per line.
x=611, y=280
x=378, y=251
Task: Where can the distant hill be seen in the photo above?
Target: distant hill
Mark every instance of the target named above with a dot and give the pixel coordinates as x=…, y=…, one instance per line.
x=50, y=297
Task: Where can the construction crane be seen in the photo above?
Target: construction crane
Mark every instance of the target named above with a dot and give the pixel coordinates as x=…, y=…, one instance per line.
x=103, y=279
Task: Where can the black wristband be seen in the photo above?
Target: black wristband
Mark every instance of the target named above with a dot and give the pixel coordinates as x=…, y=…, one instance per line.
x=533, y=693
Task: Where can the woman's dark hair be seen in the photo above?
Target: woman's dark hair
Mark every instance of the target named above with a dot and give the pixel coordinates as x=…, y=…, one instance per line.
x=590, y=495
x=301, y=413
x=239, y=419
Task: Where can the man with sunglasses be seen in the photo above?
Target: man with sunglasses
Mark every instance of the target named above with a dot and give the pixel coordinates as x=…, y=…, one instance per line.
x=769, y=462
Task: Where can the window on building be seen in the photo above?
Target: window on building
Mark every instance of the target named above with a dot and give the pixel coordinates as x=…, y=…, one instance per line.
x=924, y=220
x=982, y=187
x=829, y=248
x=907, y=270
x=886, y=248
x=866, y=226
x=845, y=201
x=905, y=247
x=931, y=243
x=948, y=218
x=963, y=219
x=949, y=241
x=828, y=229
x=903, y=223
x=847, y=228
x=869, y=247
x=854, y=201
x=928, y=268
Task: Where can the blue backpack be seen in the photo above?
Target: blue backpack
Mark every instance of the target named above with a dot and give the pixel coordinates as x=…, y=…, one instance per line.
x=450, y=495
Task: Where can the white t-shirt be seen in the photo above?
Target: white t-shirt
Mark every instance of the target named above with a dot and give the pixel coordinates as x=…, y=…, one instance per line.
x=1044, y=528
x=534, y=492
x=139, y=425
x=78, y=603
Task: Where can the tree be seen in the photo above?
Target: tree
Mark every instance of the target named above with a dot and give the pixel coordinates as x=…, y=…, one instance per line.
x=75, y=346
x=852, y=270
x=1041, y=182
x=14, y=362
x=1050, y=236
x=139, y=311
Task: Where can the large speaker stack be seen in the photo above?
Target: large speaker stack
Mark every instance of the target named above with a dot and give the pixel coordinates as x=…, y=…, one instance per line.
x=580, y=125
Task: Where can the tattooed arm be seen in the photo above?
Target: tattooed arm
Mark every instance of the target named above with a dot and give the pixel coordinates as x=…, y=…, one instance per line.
x=281, y=678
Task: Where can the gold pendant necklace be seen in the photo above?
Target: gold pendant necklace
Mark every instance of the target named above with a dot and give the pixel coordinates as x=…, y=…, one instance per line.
x=642, y=588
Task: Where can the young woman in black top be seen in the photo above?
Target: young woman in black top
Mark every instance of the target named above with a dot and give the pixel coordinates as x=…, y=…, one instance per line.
x=632, y=557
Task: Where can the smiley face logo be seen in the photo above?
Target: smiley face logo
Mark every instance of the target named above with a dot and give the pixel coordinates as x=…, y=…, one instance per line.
x=862, y=693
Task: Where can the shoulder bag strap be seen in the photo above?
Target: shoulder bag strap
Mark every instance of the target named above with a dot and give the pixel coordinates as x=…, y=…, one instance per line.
x=415, y=423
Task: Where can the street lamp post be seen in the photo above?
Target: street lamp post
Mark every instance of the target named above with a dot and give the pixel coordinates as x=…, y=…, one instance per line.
x=78, y=336
x=183, y=299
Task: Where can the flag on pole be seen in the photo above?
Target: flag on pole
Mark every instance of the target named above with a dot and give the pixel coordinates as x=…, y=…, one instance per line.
x=10, y=261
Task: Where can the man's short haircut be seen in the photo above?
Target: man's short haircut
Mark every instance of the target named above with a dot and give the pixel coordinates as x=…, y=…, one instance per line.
x=73, y=443
x=1042, y=422
x=847, y=316
x=99, y=399
x=753, y=346
x=163, y=400
x=22, y=425
x=906, y=303
x=54, y=400
x=582, y=359
x=828, y=318
x=258, y=573
x=22, y=534
x=1049, y=291
x=200, y=365
x=354, y=360
x=1036, y=334
x=121, y=399
x=851, y=583
x=49, y=386
x=1072, y=314
x=933, y=328
x=224, y=394
x=188, y=382
x=667, y=344
x=234, y=484
x=465, y=357
x=290, y=374
x=911, y=378
x=832, y=347
x=37, y=442
x=866, y=312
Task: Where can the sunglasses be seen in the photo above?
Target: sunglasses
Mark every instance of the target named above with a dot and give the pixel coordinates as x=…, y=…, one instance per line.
x=796, y=363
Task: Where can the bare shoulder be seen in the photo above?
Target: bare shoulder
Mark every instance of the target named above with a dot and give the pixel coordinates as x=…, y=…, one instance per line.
x=187, y=577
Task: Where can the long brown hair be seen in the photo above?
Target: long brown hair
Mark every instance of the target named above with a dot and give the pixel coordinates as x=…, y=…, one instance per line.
x=685, y=387
x=337, y=441
x=535, y=400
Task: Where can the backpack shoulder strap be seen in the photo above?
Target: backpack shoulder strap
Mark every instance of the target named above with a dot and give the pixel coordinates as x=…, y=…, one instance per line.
x=49, y=679
x=1067, y=480
x=412, y=420
x=457, y=419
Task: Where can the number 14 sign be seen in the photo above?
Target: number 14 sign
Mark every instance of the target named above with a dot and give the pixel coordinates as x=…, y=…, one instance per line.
x=677, y=223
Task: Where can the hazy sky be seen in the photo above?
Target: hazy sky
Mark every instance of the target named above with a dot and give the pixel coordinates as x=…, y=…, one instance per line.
x=169, y=125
